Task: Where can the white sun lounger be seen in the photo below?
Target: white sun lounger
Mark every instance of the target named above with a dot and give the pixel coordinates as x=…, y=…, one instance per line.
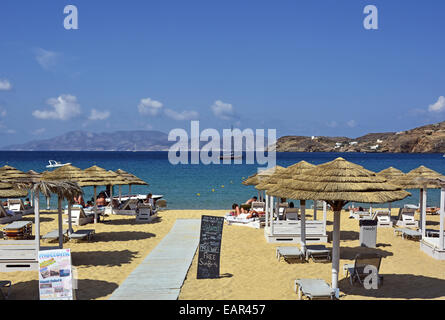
x=317, y=253
x=406, y=218
x=291, y=214
x=8, y=216
x=383, y=218
x=54, y=235
x=18, y=206
x=80, y=235
x=289, y=253
x=408, y=233
x=314, y=289
x=79, y=217
x=239, y=221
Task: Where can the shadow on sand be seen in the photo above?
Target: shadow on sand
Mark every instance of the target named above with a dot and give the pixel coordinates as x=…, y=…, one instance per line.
x=399, y=286
x=122, y=236
x=29, y=290
x=103, y=258
x=130, y=221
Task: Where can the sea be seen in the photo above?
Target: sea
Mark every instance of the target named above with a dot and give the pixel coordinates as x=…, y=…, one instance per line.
x=200, y=186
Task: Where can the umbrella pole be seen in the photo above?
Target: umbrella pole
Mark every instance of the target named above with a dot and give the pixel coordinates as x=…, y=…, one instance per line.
x=120, y=193
x=420, y=207
x=129, y=190
x=59, y=209
x=37, y=219
x=442, y=216
x=267, y=210
x=48, y=199
x=95, y=205
x=272, y=215
x=315, y=209
x=336, y=249
x=303, y=225
x=423, y=213
x=70, y=224
x=325, y=216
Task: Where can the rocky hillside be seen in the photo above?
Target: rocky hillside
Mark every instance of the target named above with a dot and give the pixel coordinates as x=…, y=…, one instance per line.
x=426, y=139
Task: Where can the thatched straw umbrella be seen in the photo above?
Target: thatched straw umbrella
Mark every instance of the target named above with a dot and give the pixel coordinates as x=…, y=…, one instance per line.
x=63, y=189
x=339, y=182
x=96, y=176
x=280, y=176
x=35, y=175
x=419, y=179
x=65, y=173
x=439, y=182
x=131, y=180
x=258, y=177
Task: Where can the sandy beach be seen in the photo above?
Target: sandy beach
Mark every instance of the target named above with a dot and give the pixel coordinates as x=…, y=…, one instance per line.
x=248, y=264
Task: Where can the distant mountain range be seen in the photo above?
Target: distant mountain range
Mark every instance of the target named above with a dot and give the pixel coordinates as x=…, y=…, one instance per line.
x=426, y=139
x=141, y=140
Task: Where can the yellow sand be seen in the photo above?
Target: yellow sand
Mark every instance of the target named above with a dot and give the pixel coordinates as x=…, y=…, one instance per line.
x=248, y=262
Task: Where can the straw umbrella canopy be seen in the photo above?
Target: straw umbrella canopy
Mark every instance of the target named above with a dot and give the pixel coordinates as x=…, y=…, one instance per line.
x=7, y=190
x=420, y=178
x=256, y=178
x=131, y=180
x=8, y=173
x=282, y=174
x=391, y=174
x=339, y=182
x=411, y=181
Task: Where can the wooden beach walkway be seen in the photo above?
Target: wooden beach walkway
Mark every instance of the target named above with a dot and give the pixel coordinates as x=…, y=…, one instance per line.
x=161, y=275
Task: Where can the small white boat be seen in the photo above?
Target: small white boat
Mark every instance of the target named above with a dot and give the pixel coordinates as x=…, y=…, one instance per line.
x=56, y=164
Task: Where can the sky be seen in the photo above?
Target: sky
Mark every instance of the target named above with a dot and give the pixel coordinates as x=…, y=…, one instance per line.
x=300, y=67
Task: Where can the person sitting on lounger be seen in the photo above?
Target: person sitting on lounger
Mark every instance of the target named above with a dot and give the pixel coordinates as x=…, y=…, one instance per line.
x=149, y=200
x=291, y=205
x=253, y=199
x=89, y=204
x=101, y=200
x=79, y=200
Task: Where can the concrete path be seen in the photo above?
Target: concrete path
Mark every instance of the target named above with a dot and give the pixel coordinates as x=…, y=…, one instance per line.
x=161, y=275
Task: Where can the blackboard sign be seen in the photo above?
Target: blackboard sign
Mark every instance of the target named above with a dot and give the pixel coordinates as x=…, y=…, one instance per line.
x=210, y=247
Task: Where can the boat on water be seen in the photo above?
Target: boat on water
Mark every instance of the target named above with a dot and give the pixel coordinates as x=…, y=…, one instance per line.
x=56, y=164
x=231, y=156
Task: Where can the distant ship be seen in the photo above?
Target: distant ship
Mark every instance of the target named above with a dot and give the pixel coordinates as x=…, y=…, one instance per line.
x=56, y=164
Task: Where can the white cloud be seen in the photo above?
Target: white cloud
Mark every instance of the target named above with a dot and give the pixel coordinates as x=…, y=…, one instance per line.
x=5, y=85
x=47, y=59
x=99, y=115
x=351, y=123
x=438, y=106
x=184, y=115
x=11, y=131
x=223, y=110
x=38, y=132
x=65, y=107
x=2, y=112
x=150, y=107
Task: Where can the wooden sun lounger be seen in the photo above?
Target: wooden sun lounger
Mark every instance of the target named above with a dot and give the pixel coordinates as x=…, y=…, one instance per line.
x=80, y=235
x=8, y=218
x=318, y=253
x=289, y=253
x=54, y=235
x=408, y=233
x=356, y=271
x=314, y=289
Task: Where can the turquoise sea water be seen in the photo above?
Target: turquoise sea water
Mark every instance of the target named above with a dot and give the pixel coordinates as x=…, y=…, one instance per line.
x=180, y=184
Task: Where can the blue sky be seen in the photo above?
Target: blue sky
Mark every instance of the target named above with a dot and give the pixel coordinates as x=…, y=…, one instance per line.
x=301, y=67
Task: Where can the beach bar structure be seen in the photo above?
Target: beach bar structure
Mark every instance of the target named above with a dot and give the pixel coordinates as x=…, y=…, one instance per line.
x=280, y=231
